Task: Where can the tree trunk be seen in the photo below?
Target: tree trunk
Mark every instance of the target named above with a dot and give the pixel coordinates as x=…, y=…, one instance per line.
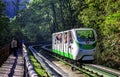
x=55, y=26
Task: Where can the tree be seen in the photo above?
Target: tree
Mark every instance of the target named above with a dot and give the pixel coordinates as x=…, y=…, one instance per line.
x=4, y=28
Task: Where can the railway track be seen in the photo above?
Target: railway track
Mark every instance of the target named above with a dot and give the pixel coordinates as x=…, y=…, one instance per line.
x=90, y=69
x=50, y=67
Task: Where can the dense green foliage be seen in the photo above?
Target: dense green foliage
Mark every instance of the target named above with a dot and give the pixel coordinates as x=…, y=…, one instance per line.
x=104, y=16
x=43, y=17
x=4, y=28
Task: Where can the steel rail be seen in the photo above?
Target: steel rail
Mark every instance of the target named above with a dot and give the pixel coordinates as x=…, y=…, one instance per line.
x=102, y=70
x=92, y=69
x=51, y=68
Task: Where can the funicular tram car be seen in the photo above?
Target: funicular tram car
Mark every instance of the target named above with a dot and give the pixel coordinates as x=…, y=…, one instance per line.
x=75, y=44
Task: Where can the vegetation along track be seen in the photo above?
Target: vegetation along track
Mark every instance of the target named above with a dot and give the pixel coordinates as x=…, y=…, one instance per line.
x=90, y=69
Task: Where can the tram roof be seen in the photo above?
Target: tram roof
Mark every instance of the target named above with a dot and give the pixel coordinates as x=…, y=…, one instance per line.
x=83, y=29
x=74, y=29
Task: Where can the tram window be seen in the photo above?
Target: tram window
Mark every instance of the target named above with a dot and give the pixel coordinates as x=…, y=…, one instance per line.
x=65, y=37
x=59, y=38
x=70, y=37
x=85, y=35
x=55, y=40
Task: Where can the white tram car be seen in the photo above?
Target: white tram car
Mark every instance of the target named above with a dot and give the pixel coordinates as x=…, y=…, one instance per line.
x=75, y=44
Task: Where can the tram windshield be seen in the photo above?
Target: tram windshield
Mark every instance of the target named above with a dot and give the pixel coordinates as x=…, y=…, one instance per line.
x=85, y=35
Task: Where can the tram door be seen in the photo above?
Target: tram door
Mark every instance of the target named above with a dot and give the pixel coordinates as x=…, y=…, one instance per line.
x=65, y=44
x=70, y=43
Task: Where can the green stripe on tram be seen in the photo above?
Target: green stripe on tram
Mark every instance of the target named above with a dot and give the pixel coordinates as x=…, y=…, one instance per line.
x=66, y=54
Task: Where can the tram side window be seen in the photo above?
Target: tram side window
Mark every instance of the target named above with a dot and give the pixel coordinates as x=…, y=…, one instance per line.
x=70, y=37
x=65, y=37
x=59, y=38
x=55, y=40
